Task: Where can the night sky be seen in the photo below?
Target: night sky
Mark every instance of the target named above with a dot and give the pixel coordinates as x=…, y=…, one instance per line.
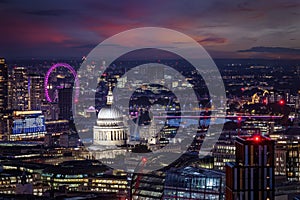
x=227, y=29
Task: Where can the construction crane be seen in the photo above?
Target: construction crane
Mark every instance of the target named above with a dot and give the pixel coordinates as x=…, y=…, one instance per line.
x=139, y=174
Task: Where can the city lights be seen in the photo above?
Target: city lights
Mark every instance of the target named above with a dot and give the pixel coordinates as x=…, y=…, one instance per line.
x=150, y=100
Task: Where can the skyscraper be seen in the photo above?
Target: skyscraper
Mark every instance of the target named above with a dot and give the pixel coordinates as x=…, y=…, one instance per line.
x=35, y=91
x=3, y=85
x=251, y=176
x=18, y=96
x=65, y=103
x=3, y=97
x=26, y=91
x=287, y=153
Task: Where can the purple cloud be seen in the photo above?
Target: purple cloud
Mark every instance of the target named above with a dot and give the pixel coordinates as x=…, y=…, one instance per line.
x=272, y=50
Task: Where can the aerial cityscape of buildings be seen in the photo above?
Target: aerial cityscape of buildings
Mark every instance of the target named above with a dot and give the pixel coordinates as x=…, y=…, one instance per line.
x=44, y=153
x=149, y=100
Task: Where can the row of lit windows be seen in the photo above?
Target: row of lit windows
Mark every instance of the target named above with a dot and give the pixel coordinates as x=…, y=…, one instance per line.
x=7, y=192
x=109, y=181
x=104, y=190
x=107, y=185
x=175, y=195
x=70, y=180
x=225, y=147
x=13, y=181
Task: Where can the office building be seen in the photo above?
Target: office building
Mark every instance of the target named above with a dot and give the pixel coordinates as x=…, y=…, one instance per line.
x=194, y=183
x=147, y=186
x=251, y=176
x=18, y=94
x=3, y=97
x=281, y=157
x=3, y=85
x=28, y=125
x=224, y=149
x=65, y=103
x=35, y=91
x=84, y=176
x=263, y=127
x=287, y=154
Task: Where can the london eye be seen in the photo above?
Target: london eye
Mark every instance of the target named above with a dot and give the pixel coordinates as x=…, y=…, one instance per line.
x=50, y=91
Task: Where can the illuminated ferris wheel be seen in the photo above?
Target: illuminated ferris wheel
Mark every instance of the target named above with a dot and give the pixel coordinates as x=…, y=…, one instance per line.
x=51, y=91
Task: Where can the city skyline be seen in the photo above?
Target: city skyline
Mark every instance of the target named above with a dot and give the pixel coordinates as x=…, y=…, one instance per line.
x=45, y=154
x=71, y=29
x=150, y=99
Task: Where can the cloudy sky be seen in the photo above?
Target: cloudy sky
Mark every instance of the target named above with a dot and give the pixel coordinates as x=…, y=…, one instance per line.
x=226, y=29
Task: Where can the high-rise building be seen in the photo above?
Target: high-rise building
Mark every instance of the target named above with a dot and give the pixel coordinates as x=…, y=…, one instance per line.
x=281, y=156
x=224, y=149
x=18, y=94
x=297, y=103
x=251, y=176
x=287, y=153
x=26, y=90
x=3, y=97
x=35, y=91
x=65, y=103
x=3, y=85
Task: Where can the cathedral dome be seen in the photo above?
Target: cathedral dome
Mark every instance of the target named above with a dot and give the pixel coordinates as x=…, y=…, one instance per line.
x=109, y=113
x=110, y=129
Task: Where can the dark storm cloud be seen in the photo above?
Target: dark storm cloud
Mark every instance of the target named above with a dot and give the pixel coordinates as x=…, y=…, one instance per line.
x=272, y=50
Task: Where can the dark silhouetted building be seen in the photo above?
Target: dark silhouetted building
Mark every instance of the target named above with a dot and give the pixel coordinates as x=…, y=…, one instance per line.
x=3, y=97
x=251, y=176
x=65, y=103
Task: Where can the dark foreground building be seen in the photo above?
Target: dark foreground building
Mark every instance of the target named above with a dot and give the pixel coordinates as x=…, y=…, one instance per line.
x=251, y=176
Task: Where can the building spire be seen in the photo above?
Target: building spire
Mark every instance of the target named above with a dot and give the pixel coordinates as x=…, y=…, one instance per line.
x=110, y=97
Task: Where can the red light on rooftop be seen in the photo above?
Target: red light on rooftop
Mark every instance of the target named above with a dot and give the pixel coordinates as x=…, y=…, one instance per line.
x=281, y=102
x=239, y=118
x=257, y=138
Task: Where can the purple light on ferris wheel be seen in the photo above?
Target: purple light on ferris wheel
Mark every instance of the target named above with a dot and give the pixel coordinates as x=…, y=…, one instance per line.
x=46, y=82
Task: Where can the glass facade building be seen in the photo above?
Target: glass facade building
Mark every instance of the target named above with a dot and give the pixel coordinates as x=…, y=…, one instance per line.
x=194, y=183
